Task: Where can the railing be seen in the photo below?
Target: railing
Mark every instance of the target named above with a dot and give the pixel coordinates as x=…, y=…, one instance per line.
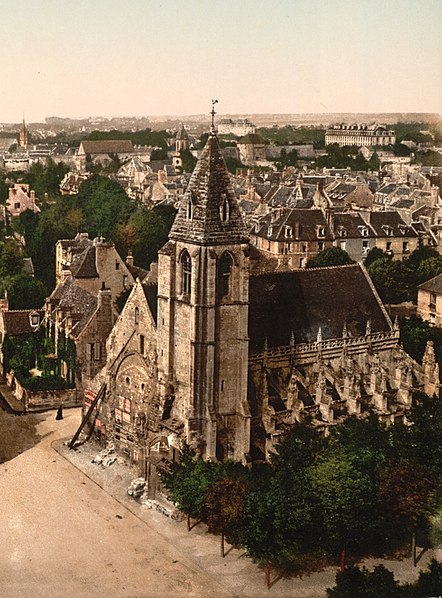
x=351, y=343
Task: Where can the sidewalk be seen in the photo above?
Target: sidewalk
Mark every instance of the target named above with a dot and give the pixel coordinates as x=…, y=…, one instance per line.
x=236, y=573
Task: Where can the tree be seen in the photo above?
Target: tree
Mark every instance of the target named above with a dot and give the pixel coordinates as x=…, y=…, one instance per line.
x=188, y=159
x=225, y=504
x=374, y=254
x=357, y=583
x=346, y=501
x=333, y=256
x=389, y=279
x=25, y=292
x=188, y=481
x=11, y=259
x=408, y=493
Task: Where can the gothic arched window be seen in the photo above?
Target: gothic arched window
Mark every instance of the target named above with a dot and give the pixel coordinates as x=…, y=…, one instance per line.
x=224, y=272
x=189, y=213
x=186, y=273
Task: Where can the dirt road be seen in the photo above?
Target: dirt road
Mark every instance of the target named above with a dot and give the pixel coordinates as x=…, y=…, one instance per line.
x=62, y=536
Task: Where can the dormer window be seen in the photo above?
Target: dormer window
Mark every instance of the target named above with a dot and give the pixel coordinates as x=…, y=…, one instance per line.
x=364, y=231
x=388, y=230
x=342, y=232
x=224, y=209
x=270, y=231
x=321, y=231
x=34, y=318
x=288, y=232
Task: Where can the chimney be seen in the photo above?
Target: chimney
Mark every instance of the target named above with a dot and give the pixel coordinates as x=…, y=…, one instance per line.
x=162, y=176
x=130, y=258
x=434, y=195
x=32, y=197
x=65, y=274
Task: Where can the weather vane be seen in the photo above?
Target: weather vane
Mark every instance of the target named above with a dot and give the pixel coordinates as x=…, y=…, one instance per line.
x=213, y=114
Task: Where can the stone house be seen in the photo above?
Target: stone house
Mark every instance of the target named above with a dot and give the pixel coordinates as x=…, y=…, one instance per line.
x=429, y=301
x=225, y=357
x=293, y=236
x=20, y=199
x=393, y=235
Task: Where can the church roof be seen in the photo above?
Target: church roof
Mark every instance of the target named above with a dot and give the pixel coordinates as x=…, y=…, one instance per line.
x=151, y=294
x=106, y=146
x=209, y=213
x=298, y=303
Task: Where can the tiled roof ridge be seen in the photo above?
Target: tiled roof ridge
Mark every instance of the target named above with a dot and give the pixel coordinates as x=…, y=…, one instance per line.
x=356, y=264
x=12, y=311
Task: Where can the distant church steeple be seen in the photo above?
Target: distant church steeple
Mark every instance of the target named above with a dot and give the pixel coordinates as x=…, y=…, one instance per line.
x=23, y=134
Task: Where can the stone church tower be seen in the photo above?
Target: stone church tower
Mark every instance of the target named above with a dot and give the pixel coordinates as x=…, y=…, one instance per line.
x=203, y=300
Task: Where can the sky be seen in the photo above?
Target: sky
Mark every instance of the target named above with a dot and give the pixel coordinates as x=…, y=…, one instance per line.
x=171, y=57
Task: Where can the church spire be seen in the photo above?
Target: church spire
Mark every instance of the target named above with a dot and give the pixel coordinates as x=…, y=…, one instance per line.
x=209, y=213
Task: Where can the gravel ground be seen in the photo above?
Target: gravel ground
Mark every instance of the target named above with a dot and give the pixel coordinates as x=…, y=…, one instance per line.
x=70, y=530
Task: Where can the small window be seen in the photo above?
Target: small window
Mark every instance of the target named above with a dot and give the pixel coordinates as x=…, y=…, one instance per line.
x=405, y=247
x=432, y=299
x=343, y=245
x=136, y=315
x=224, y=273
x=388, y=245
x=365, y=244
x=142, y=344
x=97, y=351
x=117, y=265
x=186, y=273
x=127, y=405
x=225, y=209
x=189, y=210
x=321, y=246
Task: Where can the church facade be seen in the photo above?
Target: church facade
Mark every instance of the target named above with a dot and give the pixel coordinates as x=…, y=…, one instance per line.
x=225, y=355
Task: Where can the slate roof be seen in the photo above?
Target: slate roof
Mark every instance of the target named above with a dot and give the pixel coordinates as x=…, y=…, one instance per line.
x=108, y=146
x=71, y=298
x=434, y=285
x=18, y=322
x=209, y=187
x=353, y=224
x=302, y=301
x=380, y=221
x=303, y=222
x=83, y=266
x=151, y=294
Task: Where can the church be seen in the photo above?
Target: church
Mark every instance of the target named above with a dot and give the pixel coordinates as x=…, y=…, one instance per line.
x=223, y=353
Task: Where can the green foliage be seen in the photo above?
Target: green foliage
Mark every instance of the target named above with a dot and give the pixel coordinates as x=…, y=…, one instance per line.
x=333, y=256
x=388, y=278
x=429, y=158
x=46, y=178
x=346, y=157
x=105, y=205
x=233, y=163
x=143, y=137
x=408, y=493
x=188, y=159
x=287, y=158
x=25, y=292
x=356, y=583
x=415, y=333
x=412, y=132
x=225, y=506
x=145, y=233
x=430, y=581
x=290, y=135
x=159, y=154
x=188, y=481
x=11, y=259
x=373, y=255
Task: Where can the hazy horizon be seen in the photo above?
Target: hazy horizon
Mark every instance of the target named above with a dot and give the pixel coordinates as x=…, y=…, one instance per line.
x=106, y=58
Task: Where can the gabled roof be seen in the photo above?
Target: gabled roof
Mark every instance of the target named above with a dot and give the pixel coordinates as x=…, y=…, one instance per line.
x=296, y=304
x=353, y=224
x=434, y=285
x=381, y=221
x=303, y=225
x=209, y=213
x=84, y=264
x=118, y=146
x=151, y=294
x=18, y=322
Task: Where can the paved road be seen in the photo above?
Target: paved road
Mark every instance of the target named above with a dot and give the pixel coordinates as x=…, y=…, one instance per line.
x=62, y=536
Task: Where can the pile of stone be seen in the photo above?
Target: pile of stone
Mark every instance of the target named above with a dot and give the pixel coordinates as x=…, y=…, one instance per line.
x=137, y=488
x=106, y=457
